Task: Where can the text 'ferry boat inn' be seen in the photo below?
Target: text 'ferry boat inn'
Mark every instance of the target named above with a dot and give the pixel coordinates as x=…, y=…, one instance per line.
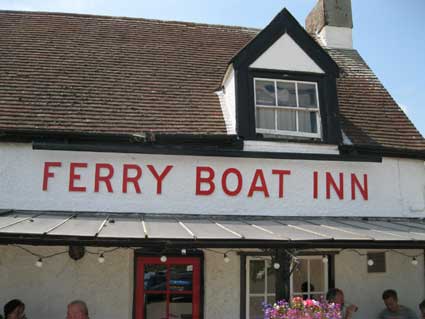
x=161, y=169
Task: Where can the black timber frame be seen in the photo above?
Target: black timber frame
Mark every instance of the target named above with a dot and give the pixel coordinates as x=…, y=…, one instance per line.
x=283, y=23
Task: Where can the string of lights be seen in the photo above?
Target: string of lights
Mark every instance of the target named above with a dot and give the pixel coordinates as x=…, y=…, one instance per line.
x=40, y=258
x=371, y=262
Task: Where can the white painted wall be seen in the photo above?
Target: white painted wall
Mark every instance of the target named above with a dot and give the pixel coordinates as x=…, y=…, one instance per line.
x=365, y=289
x=278, y=147
x=396, y=186
x=107, y=288
x=222, y=286
x=286, y=55
x=336, y=37
x=228, y=101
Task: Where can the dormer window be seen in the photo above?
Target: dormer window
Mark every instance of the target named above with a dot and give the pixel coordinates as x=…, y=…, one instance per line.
x=288, y=108
x=285, y=86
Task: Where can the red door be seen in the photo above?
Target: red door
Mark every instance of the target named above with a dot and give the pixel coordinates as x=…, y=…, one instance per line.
x=168, y=290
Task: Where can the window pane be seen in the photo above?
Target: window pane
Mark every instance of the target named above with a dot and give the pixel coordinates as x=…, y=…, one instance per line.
x=307, y=122
x=257, y=276
x=318, y=296
x=317, y=274
x=264, y=93
x=286, y=120
x=265, y=118
x=181, y=277
x=156, y=306
x=256, y=307
x=155, y=277
x=181, y=306
x=307, y=95
x=286, y=94
x=300, y=276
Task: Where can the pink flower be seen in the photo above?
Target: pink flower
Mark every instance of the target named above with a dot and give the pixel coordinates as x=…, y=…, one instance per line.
x=300, y=309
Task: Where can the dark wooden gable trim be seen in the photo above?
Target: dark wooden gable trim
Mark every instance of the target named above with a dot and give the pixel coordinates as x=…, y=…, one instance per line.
x=283, y=23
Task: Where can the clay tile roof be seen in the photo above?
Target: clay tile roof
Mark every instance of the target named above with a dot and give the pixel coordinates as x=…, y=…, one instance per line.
x=83, y=73
x=369, y=115
x=95, y=74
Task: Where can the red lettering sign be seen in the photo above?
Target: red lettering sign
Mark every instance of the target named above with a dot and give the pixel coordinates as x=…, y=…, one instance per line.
x=105, y=179
x=133, y=179
x=159, y=177
x=363, y=189
x=281, y=174
x=315, y=184
x=260, y=188
x=208, y=180
x=238, y=188
x=73, y=176
x=339, y=190
x=47, y=174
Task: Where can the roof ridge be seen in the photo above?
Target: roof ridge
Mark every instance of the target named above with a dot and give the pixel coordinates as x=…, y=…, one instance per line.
x=100, y=16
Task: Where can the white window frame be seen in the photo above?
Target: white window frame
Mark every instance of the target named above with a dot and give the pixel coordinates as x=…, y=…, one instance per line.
x=265, y=294
x=325, y=279
x=298, y=109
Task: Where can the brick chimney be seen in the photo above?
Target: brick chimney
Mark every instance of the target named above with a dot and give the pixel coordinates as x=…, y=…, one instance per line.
x=331, y=22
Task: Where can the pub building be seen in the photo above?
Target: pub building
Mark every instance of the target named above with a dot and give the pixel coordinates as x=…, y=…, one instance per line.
x=161, y=169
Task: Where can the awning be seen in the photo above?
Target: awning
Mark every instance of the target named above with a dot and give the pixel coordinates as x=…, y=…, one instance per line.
x=119, y=229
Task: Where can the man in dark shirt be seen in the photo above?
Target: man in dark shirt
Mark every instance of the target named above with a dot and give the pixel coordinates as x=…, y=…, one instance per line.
x=393, y=309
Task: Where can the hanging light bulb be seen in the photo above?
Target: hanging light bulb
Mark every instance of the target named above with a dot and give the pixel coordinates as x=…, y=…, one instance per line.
x=414, y=261
x=184, y=252
x=101, y=258
x=325, y=259
x=39, y=263
x=370, y=262
x=163, y=259
x=276, y=265
x=226, y=258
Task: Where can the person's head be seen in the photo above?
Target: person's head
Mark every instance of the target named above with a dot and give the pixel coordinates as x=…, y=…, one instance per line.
x=77, y=310
x=390, y=300
x=335, y=295
x=422, y=309
x=14, y=309
x=304, y=288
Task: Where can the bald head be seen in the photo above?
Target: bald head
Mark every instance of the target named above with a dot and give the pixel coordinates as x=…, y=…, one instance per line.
x=77, y=310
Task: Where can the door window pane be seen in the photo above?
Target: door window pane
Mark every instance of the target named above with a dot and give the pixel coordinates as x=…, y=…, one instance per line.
x=307, y=122
x=256, y=307
x=286, y=95
x=257, y=276
x=155, y=277
x=156, y=306
x=181, y=277
x=265, y=93
x=286, y=120
x=180, y=306
x=307, y=95
x=265, y=118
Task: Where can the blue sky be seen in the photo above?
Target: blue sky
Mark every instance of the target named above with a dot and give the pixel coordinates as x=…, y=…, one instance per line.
x=389, y=34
